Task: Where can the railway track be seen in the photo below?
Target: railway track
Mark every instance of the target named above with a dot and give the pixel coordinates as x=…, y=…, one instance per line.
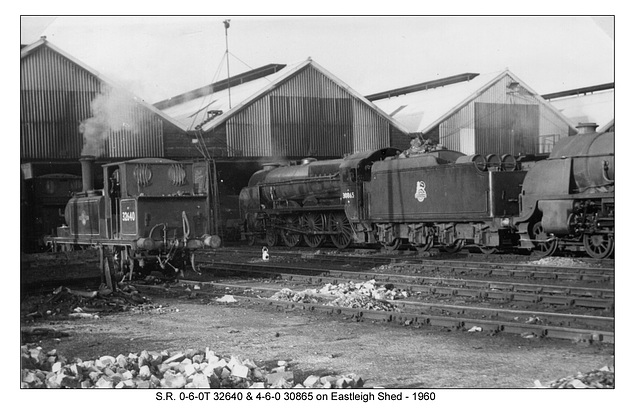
x=554, y=295
x=577, y=327
x=518, y=271
x=566, y=302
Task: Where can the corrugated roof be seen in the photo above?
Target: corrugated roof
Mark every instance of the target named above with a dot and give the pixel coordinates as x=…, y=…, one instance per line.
x=421, y=111
x=30, y=49
x=597, y=107
x=194, y=112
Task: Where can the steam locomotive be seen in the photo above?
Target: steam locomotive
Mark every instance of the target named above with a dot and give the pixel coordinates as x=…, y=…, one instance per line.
x=567, y=201
x=440, y=198
x=152, y=214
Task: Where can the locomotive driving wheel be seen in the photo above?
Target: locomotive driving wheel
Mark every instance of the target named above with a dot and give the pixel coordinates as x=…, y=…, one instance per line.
x=338, y=222
x=313, y=222
x=290, y=238
x=598, y=245
x=546, y=245
x=455, y=247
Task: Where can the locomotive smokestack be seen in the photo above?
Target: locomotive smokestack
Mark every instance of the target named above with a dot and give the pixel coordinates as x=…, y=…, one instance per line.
x=586, y=127
x=87, y=172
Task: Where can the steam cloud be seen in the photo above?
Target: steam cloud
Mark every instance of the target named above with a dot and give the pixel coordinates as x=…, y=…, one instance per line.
x=113, y=111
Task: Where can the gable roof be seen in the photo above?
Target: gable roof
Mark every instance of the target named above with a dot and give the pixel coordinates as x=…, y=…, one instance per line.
x=194, y=112
x=423, y=110
x=32, y=48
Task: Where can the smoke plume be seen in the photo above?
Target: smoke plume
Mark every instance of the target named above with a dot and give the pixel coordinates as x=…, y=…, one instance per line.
x=113, y=111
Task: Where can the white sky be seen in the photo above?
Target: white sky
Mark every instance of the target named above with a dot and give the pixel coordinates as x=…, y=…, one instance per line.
x=159, y=57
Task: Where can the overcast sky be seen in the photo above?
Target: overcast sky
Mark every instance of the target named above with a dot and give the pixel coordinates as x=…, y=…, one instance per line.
x=159, y=57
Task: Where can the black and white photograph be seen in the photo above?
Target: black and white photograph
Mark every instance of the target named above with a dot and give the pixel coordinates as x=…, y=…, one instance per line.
x=266, y=210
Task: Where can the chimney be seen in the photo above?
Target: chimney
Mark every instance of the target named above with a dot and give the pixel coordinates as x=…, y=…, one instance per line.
x=87, y=172
x=586, y=127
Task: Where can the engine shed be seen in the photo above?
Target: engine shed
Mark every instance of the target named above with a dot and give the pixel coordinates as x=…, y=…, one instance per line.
x=492, y=113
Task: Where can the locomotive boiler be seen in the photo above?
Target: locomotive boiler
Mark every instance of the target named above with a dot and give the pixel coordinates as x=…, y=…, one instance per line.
x=567, y=201
x=152, y=214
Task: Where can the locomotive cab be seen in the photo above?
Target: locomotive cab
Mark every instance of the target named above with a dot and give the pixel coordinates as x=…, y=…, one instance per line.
x=153, y=201
x=355, y=172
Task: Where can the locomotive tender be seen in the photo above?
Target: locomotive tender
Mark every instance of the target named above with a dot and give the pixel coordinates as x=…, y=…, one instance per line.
x=152, y=214
x=440, y=198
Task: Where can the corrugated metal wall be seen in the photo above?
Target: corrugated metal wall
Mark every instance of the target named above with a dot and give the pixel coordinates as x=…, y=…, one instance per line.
x=310, y=126
x=506, y=128
x=143, y=139
x=370, y=130
x=452, y=130
x=307, y=115
x=249, y=132
x=55, y=98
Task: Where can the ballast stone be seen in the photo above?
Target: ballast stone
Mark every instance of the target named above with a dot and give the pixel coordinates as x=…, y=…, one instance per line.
x=148, y=369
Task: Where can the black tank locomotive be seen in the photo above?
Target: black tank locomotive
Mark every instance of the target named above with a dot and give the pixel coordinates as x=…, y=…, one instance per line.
x=152, y=214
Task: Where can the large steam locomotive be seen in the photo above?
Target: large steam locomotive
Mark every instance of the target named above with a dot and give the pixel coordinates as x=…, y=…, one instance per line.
x=567, y=201
x=440, y=198
x=152, y=214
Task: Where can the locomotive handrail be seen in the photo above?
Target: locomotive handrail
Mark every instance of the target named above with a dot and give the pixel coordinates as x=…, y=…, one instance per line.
x=597, y=155
x=292, y=181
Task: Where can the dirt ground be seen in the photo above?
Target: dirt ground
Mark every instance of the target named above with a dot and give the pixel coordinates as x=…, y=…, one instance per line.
x=384, y=355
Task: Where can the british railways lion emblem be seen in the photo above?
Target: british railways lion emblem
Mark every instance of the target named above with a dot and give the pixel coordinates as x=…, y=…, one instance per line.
x=421, y=193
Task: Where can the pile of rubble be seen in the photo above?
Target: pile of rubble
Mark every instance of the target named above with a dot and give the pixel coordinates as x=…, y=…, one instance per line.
x=365, y=295
x=305, y=296
x=362, y=302
x=148, y=369
x=558, y=262
x=64, y=302
x=603, y=378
